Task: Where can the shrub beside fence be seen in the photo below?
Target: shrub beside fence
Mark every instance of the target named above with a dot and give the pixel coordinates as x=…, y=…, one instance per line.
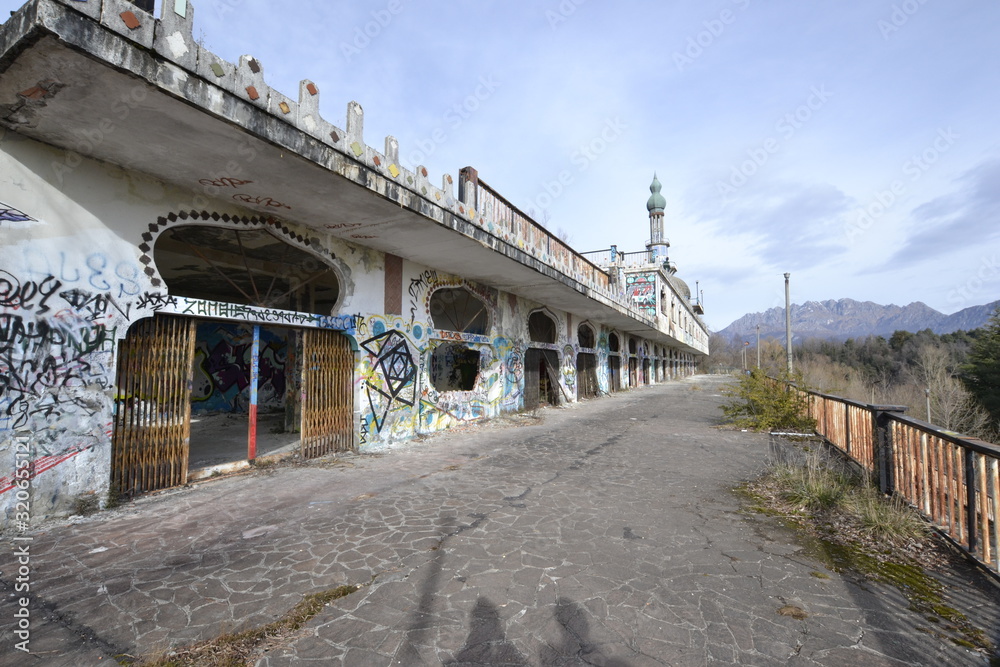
x=953, y=480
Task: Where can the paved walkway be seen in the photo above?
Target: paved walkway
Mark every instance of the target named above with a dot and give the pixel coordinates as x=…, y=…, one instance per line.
x=605, y=533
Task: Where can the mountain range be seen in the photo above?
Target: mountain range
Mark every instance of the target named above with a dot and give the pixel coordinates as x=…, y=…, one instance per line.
x=847, y=318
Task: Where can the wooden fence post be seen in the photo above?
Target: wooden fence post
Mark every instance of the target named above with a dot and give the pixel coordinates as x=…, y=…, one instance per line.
x=971, y=492
x=882, y=454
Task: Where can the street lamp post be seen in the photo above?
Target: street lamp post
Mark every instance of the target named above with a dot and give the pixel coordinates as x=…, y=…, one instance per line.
x=788, y=326
x=758, y=346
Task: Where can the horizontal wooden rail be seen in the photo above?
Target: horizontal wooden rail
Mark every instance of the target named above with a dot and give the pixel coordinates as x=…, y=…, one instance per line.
x=953, y=480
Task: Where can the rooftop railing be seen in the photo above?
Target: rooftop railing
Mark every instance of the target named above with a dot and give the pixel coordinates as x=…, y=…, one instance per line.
x=513, y=225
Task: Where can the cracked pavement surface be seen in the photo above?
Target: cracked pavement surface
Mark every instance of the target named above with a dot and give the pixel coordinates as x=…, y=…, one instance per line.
x=606, y=533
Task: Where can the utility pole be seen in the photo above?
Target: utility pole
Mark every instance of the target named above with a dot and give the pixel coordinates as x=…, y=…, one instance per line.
x=788, y=325
x=758, y=346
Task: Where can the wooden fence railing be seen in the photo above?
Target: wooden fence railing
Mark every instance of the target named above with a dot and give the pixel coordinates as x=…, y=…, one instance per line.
x=953, y=480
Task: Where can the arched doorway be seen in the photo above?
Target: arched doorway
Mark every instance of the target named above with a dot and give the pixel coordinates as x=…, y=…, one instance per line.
x=586, y=363
x=251, y=387
x=614, y=363
x=541, y=365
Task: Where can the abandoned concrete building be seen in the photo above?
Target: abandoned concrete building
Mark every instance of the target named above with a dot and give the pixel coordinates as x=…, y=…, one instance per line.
x=197, y=270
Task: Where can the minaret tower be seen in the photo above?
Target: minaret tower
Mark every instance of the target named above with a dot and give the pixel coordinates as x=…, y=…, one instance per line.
x=658, y=243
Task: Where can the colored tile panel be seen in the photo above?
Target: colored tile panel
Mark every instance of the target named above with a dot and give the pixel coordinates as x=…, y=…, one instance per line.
x=131, y=22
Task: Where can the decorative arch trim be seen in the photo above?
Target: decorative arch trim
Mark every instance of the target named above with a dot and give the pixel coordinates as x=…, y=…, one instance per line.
x=273, y=225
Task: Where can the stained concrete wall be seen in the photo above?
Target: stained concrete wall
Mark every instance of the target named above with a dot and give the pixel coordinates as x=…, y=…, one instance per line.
x=78, y=270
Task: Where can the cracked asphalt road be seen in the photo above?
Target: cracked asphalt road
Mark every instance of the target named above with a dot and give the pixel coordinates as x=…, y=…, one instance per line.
x=606, y=533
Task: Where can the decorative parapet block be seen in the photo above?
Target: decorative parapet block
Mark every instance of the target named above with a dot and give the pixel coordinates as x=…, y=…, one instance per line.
x=173, y=38
x=250, y=82
x=128, y=20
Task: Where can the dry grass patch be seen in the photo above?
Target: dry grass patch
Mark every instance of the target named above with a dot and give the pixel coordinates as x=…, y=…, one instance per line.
x=239, y=649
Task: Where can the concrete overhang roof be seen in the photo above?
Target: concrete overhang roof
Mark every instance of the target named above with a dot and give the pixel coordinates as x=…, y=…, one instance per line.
x=69, y=81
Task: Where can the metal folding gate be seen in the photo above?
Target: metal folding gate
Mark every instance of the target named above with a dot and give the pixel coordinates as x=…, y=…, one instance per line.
x=152, y=425
x=327, y=393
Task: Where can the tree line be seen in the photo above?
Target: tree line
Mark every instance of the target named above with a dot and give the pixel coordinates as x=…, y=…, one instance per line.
x=951, y=380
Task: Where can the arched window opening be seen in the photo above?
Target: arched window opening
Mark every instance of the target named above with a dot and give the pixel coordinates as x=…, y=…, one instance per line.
x=585, y=336
x=454, y=367
x=244, y=266
x=614, y=344
x=458, y=309
x=541, y=328
x=631, y=346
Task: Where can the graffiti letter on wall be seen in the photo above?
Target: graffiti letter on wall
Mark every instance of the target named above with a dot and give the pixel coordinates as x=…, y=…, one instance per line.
x=398, y=372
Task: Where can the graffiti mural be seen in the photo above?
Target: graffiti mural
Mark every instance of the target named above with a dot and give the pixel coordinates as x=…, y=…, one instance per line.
x=511, y=371
x=393, y=378
x=641, y=288
x=8, y=214
x=222, y=369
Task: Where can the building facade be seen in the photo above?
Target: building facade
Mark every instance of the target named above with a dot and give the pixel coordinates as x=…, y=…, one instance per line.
x=197, y=270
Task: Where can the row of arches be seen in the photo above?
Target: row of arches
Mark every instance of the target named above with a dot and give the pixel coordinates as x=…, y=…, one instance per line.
x=303, y=379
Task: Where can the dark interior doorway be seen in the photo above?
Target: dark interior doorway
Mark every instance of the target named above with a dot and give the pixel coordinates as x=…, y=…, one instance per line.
x=541, y=378
x=586, y=375
x=221, y=392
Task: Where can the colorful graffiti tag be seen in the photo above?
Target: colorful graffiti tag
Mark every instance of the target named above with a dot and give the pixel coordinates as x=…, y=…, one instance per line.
x=641, y=289
x=222, y=369
x=393, y=380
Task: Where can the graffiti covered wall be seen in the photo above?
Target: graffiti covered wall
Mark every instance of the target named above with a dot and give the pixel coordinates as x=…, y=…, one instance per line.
x=641, y=289
x=222, y=358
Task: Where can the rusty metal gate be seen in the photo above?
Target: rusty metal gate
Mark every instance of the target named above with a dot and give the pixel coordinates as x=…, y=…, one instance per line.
x=327, y=393
x=152, y=422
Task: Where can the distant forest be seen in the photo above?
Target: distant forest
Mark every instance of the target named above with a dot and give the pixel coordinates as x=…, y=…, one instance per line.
x=957, y=374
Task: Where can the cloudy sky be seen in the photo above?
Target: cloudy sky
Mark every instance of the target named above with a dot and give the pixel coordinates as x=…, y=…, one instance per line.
x=852, y=143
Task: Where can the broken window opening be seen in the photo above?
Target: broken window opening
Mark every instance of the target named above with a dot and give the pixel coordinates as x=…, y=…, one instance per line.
x=458, y=309
x=585, y=336
x=614, y=344
x=541, y=328
x=244, y=266
x=454, y=367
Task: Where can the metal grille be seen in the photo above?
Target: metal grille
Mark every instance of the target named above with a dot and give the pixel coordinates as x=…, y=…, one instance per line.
x=152, y=422
x=327, y=393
